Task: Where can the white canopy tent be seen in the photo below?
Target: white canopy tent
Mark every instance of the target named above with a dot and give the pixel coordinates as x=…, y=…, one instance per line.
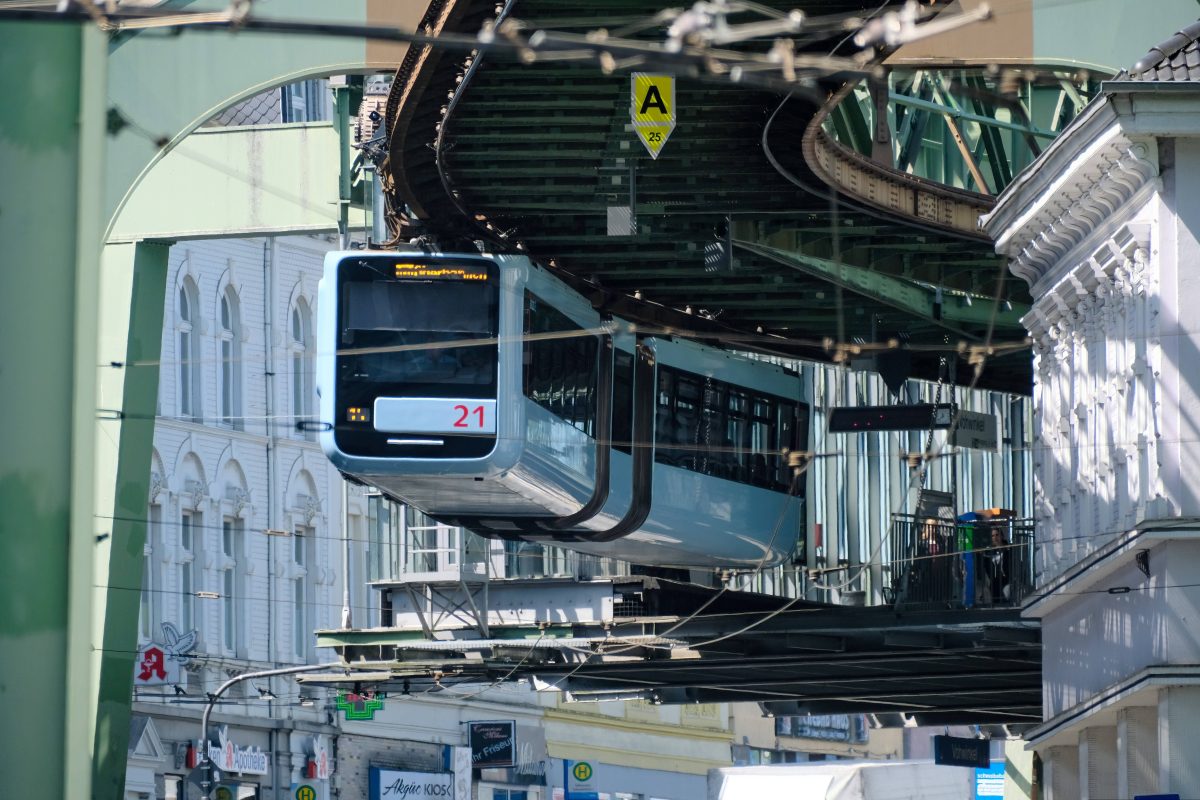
x=843, y=780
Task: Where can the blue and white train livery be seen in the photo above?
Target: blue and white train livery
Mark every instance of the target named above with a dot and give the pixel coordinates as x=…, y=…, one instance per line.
x=483, y=391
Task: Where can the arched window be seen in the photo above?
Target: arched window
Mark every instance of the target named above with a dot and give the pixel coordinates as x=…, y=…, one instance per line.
x=233, y=568
x=304, y=568
x=232, y=563
x=148, y=610
x=302, y=370
x=192, y=491
x=230, y=331
x=190, y=533
x=188, y=355
x=302, y=591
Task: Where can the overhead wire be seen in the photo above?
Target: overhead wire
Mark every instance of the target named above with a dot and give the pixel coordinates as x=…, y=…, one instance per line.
x=774, y=533
x=841, y=312
x=750, y=341
x=783, y=513
x=831, y=194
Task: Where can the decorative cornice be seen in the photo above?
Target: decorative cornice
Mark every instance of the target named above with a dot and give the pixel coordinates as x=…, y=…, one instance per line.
x=1061, y=300
x=1094, y=191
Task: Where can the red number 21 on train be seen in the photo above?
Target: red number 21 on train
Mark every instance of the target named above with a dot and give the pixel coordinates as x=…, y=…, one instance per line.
x=464, y=421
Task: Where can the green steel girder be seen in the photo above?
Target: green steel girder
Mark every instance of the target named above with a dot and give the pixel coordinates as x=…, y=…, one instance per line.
x=911, y=123
x=1000, y=163
x=47, y=336
x=851, y=126
x=898, y=293
x=953, y=111
x=132, y=286
x=397, y=639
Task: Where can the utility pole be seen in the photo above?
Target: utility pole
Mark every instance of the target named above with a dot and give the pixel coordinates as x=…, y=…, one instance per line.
x=341, y=96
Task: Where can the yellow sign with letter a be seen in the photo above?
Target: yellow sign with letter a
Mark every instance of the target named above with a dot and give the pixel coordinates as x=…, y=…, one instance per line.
x=652, y=109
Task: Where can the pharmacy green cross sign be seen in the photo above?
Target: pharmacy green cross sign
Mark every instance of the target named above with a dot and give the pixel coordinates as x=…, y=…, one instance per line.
x=359, y=706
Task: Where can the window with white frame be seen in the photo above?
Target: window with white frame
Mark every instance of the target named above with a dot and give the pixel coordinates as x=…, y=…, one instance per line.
x=303, y=621
x=515, y=793
x=533, y=560
x=189, y=548
x=301, y=365
x=557, y=561
x=232, y=537
x=150, y=582
x=306, y=101
x=385, y=545
x=362, y=595
x=432, y=546
x=231, y=362
x=188, y=354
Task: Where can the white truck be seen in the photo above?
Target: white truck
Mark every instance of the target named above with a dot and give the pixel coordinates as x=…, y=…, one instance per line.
x=843, y=780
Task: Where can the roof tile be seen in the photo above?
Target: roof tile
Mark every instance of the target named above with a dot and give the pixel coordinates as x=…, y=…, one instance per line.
x=1176, y=59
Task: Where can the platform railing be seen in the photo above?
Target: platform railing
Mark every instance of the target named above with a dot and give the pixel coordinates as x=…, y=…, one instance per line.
x=942, y=563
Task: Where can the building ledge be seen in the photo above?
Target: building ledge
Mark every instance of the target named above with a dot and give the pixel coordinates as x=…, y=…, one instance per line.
x=1140, y=689
x=1091, y=572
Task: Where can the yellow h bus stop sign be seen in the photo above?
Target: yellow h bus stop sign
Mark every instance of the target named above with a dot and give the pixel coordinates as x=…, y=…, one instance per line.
x=652, y=109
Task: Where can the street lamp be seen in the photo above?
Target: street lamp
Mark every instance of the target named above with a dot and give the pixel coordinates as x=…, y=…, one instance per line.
x=205, y=762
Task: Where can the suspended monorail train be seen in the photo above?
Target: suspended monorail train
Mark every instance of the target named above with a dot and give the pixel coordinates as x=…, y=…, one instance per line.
x=485, y=392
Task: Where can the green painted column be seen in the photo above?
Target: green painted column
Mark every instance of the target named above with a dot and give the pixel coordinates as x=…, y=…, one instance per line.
x=132, y=286
x=75, y=466
x=79, y=340
x=50, y=145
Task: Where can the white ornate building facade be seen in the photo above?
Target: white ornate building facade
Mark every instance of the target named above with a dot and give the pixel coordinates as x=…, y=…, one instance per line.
x=246, y=516
x=1105, y=227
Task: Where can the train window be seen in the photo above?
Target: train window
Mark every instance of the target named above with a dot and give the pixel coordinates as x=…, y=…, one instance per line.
x=785, y=432
x=622, y=402
x=687, y=420
x=736, y=432
x=709, y=426
x=711, y=448
x=560, y=371
x=406, y=332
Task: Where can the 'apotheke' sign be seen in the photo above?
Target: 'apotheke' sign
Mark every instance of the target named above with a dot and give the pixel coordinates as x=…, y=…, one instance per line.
x=392, y=784
x=228, y=757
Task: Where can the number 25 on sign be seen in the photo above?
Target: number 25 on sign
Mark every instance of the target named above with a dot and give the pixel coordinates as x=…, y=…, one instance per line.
x=652, y=109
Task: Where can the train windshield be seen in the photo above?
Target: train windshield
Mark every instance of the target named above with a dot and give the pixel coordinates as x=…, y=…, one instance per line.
x=427, y=328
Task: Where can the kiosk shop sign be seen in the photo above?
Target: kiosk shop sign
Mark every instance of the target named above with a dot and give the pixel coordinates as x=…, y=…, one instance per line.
x=392, y=784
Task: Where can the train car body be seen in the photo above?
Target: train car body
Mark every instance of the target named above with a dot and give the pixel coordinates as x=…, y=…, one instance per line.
x=485, y=392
